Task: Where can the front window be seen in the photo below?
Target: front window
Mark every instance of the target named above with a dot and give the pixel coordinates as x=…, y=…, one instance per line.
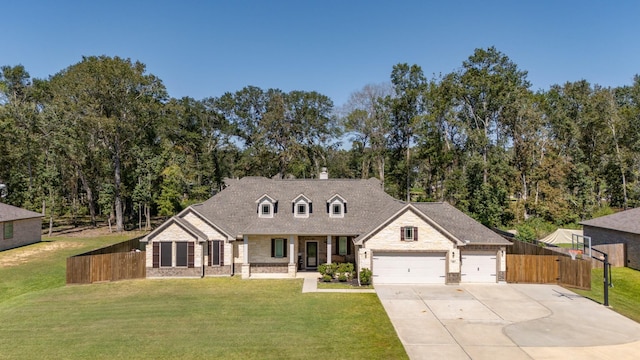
x=279, y=248
x=342, y=245
x=337, y=209
x=266, y=209
x=8, y=230
x=181, y=253
x=408, y=233
x=165, y=254
x=302, y=209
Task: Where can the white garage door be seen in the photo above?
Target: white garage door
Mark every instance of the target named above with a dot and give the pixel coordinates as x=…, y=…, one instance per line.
x=479, y=267
x=409, y=268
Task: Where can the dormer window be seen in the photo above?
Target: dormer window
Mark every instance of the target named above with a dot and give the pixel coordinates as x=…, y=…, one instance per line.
x=301, y=207
x=267, y=207
x=336, y=206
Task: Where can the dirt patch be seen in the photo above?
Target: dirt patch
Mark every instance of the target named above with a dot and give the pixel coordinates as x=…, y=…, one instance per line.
x=22, y=255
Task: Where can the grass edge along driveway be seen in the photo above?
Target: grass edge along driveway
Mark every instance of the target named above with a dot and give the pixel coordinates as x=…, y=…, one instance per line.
x=188, y=318
x=624, y=296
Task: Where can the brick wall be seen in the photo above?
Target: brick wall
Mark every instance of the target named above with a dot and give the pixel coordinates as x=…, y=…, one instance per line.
x=174, y=272
x=25, y=232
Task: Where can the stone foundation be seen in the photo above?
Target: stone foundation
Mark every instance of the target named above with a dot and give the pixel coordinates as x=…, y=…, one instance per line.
x=217, y=270
x=266, y=268
x=453, y=278
x=174, y=272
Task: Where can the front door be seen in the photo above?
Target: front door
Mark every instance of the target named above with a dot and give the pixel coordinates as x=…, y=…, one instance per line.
x=312, y=254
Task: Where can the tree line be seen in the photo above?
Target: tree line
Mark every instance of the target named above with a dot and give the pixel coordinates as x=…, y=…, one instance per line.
x=103, y=139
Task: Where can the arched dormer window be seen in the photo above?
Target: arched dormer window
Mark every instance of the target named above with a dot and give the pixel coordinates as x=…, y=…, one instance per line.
x=266, y=206
x=301, y=206
x=336, y=206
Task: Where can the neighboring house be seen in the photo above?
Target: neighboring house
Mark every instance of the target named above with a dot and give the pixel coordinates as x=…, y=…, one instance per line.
x=258, y=225
x=18, y=227
x=618, y=228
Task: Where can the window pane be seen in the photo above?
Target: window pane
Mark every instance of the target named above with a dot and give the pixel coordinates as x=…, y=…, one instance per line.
x=342, y=245
x=337, y=209
x=302, y=209
x=165, y=254
x=8, y=230
x=215, y=253
x=408, y=233
x=181, y=254
x=266, y=209
x=279, y=250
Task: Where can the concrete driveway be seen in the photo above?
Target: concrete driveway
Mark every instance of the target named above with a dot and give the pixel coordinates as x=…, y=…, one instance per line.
x=506, y=321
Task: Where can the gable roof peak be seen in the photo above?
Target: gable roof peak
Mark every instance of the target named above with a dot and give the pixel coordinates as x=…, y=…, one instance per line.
x=303, y=196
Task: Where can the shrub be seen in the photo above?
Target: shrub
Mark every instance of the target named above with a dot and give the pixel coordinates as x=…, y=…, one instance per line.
x=342, y=277
x=327, y=278
x=365, y=277
x=327, y=269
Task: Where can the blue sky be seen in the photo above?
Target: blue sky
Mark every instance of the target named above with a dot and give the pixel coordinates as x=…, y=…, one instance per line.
x=206, y=48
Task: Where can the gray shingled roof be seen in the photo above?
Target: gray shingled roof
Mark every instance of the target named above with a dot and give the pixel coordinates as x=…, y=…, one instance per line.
x=234, y=210
x=625, y=221
x=460, y=224
x=11, y=213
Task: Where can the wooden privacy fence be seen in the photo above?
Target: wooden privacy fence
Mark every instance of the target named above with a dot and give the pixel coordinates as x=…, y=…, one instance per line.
x=615, y=252
x=116, y=262
x=549, y=269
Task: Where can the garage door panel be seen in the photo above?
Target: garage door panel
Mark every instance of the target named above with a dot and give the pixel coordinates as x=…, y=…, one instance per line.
x=479, y=268
x=414, y=268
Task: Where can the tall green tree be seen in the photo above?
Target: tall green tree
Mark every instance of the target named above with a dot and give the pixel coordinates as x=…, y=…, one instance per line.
x=405, y=108
x=117, y=100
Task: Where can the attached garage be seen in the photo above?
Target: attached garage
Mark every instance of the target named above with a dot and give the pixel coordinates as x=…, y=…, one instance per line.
x=479, y=267
x=409, y=268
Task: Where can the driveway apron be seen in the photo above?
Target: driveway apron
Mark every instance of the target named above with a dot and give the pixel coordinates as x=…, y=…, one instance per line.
x=505, y=321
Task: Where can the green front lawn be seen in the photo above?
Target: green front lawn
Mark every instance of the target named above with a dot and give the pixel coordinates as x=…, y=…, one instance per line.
x=185, y=318
x=624, y=296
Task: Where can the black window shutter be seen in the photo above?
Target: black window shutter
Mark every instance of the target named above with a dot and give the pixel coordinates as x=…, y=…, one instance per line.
x=310, y=208
x=349, y=242
x=401, y=234
x=415, y=234
x=221, y=252
x=258, y=209
x=285, y=245
x=190, y=254
x=293, y=208
x=156, y=255
x=210, y=246
x=273, y=247
x=345, y=207
x=327, y=208
x=275, y=208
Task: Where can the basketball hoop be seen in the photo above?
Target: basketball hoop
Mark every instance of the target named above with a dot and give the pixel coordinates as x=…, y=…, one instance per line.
x=574, y=253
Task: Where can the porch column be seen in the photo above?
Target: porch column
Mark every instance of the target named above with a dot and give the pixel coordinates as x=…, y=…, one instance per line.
x=246, y=271
x=292, y=253
x=245, y=250
x=328, y=249
x=292, y=268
